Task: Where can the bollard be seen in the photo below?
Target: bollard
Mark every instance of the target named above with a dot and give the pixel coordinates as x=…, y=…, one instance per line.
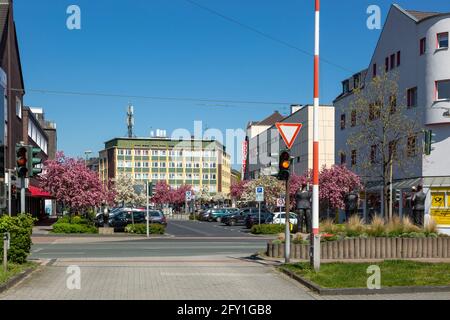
x=6, y=241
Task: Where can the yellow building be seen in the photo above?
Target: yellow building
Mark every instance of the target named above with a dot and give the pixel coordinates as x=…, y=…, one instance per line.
x=203, y=164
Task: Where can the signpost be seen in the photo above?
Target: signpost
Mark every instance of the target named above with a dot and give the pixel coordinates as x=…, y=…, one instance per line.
x=281, y=202
x=259, y=199
x=188, y=200
x=289, y=132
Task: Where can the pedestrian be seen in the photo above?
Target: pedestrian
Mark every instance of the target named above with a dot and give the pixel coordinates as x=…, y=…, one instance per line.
x=303, y=204
x=419, y=206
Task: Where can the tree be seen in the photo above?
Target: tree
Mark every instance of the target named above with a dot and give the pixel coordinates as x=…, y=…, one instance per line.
x=126, y=193
x=385, y=134
x=162, y=193
x=272, y=190
x=237, y=189
x=70, y=182
x=179, y=195
x=335, y=183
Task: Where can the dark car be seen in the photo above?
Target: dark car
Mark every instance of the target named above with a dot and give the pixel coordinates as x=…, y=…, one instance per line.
x=120, y=219
x=219, y=214
x=254, y=218
x=238, y=218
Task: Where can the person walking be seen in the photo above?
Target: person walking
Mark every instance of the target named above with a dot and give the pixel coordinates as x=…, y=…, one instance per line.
x=418, y=201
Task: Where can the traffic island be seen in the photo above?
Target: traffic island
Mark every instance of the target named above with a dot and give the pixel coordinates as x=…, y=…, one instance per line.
x=397, y=277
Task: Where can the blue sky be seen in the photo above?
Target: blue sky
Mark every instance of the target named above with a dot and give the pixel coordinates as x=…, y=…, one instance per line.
x=171, y=48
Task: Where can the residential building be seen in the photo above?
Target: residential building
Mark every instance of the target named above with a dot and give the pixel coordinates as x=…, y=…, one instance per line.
x=203, y=164
x=414, y=45
x=264, y=148
x=93, y=164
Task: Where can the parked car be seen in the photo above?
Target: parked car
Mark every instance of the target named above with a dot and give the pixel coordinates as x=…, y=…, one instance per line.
x=120, y=219
x=238, y=218
x=219, y=214
x=280, y=218
x=254, y=218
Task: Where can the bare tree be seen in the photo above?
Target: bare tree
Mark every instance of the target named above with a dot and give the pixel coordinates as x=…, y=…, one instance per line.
x=385, y=134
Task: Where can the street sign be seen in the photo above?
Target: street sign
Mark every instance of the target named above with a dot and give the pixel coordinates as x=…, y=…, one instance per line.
x=289, y=132
x=259, y=194
x=281, y=202
x=188, y=196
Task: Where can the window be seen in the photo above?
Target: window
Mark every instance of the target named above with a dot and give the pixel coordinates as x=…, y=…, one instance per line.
x=19, y=108
x=205, y=176
x=443, y=90
x=386, y=64
x=356, y=80
x=392, y=61
x=398, y=58
x=346, y=86
x=374, y=70
x=162, y=165
x=353, y=157
x=188, y=164
x=213, y=176
x=155, y=164
x=146, y=164
x=412, y=97
x=442, y=40
x=343, y=121
x=137, y=152
x=343, y=158
x=353, y=119
x=155, y=176
x=373, y=154
x=138, y=164
x=154, y=153
x=393, y=104
x=412, y=146
x=171, y=164
x=423, y=46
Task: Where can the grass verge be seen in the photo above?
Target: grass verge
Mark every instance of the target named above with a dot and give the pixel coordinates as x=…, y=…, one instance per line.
x=14, y=269
x=394, y=273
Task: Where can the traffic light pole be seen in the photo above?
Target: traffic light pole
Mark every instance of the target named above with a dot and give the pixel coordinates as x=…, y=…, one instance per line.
x=22, y=195
x=148, y=205
x=287, y=235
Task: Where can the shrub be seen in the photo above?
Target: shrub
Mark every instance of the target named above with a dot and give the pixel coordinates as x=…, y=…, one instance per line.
x=430, y=227
x=20, y=229
x=395, y=227
x=141, y=228
x=69, y=228
x=408, y=226
x=377, y=227
x=298, y=239
x=267, y=229
x=328, y=226
x=354, y=227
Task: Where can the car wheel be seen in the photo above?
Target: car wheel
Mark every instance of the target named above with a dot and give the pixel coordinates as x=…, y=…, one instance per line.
x=210, y=219
x=219, y=220
x=232, y=223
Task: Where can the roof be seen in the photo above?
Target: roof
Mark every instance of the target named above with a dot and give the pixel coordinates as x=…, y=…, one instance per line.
x=269, y=121
x=4, y=9
x=420, y=15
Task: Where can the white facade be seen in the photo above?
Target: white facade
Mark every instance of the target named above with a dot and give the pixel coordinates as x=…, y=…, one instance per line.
x=413, y=43
x=264, y=148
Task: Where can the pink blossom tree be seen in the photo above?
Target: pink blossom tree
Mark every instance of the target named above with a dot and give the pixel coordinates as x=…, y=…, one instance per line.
x=335, y=183
x=162, y=193
x=179, y=195
x=70, y=182
x=237, y=189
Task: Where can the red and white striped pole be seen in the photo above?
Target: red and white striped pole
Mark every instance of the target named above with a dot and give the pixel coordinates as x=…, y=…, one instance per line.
x=315, y=237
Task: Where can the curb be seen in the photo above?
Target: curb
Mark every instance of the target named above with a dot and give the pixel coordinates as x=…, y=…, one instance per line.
x=362, y=291
x=16, y=279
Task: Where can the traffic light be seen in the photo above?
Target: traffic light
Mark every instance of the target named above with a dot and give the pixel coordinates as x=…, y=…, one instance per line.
x=22, y=161
x=34, y=161
x=151, y=189
x=284, y=165
x=429, y=135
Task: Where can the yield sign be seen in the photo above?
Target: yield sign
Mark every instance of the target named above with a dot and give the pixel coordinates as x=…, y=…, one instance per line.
x=289, y=132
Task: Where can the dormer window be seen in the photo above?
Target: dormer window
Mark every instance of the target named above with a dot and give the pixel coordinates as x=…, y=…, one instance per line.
x=356, y=81
x=346, y=86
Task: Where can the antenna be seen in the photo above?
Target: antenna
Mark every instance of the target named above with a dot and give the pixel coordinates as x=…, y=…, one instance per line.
x=130, y=120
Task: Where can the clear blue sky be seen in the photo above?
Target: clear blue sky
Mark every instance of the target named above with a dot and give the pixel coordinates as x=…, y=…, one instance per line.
x=175, y=49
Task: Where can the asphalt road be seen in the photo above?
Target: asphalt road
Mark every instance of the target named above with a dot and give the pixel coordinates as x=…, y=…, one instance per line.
x=183, y=239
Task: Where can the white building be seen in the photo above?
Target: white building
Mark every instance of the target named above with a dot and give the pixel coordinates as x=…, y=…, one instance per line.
x=415, y=45
x=265, y=146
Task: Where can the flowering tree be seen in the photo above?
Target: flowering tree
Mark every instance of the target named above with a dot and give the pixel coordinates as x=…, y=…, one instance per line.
x=162, y=193
x=237, y=189
x=179, y=195
x=109, y=193
x=70, y=182
x=272, y=189
x=335, y=183
x=125, y=192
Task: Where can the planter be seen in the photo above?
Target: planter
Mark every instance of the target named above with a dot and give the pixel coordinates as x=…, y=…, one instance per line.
x=370, y=248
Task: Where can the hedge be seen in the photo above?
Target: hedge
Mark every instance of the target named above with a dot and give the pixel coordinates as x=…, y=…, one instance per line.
x=141, y=228
x=73, y=228
x=271, y=229
x=20, y=229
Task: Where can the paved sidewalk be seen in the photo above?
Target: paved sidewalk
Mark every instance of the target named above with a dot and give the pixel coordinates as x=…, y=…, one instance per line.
x=221, y=278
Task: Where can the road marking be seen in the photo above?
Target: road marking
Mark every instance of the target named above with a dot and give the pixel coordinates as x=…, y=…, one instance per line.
x=62, y=253
x=37, y=250
x=182, y=274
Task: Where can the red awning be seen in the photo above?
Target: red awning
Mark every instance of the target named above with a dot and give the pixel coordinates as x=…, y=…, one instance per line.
x=39, y=193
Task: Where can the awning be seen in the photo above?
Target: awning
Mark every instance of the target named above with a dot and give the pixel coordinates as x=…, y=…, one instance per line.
x=427, y=182
x=39, y=193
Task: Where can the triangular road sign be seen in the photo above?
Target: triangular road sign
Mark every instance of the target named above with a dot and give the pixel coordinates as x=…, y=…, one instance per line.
x=289, y=132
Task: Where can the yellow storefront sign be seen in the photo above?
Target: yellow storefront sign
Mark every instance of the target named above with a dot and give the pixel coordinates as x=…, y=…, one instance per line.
x=441, y=216
x=438, y=200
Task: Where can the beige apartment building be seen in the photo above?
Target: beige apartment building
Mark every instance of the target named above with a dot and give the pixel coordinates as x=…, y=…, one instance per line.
x=203, y=164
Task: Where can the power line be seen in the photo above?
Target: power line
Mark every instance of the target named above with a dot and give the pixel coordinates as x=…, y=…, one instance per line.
x=265, y=35
x=112, y=95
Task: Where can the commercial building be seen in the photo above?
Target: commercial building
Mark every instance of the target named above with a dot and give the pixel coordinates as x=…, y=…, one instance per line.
x=415, y=46
x=203, y=164
x=265, y=143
